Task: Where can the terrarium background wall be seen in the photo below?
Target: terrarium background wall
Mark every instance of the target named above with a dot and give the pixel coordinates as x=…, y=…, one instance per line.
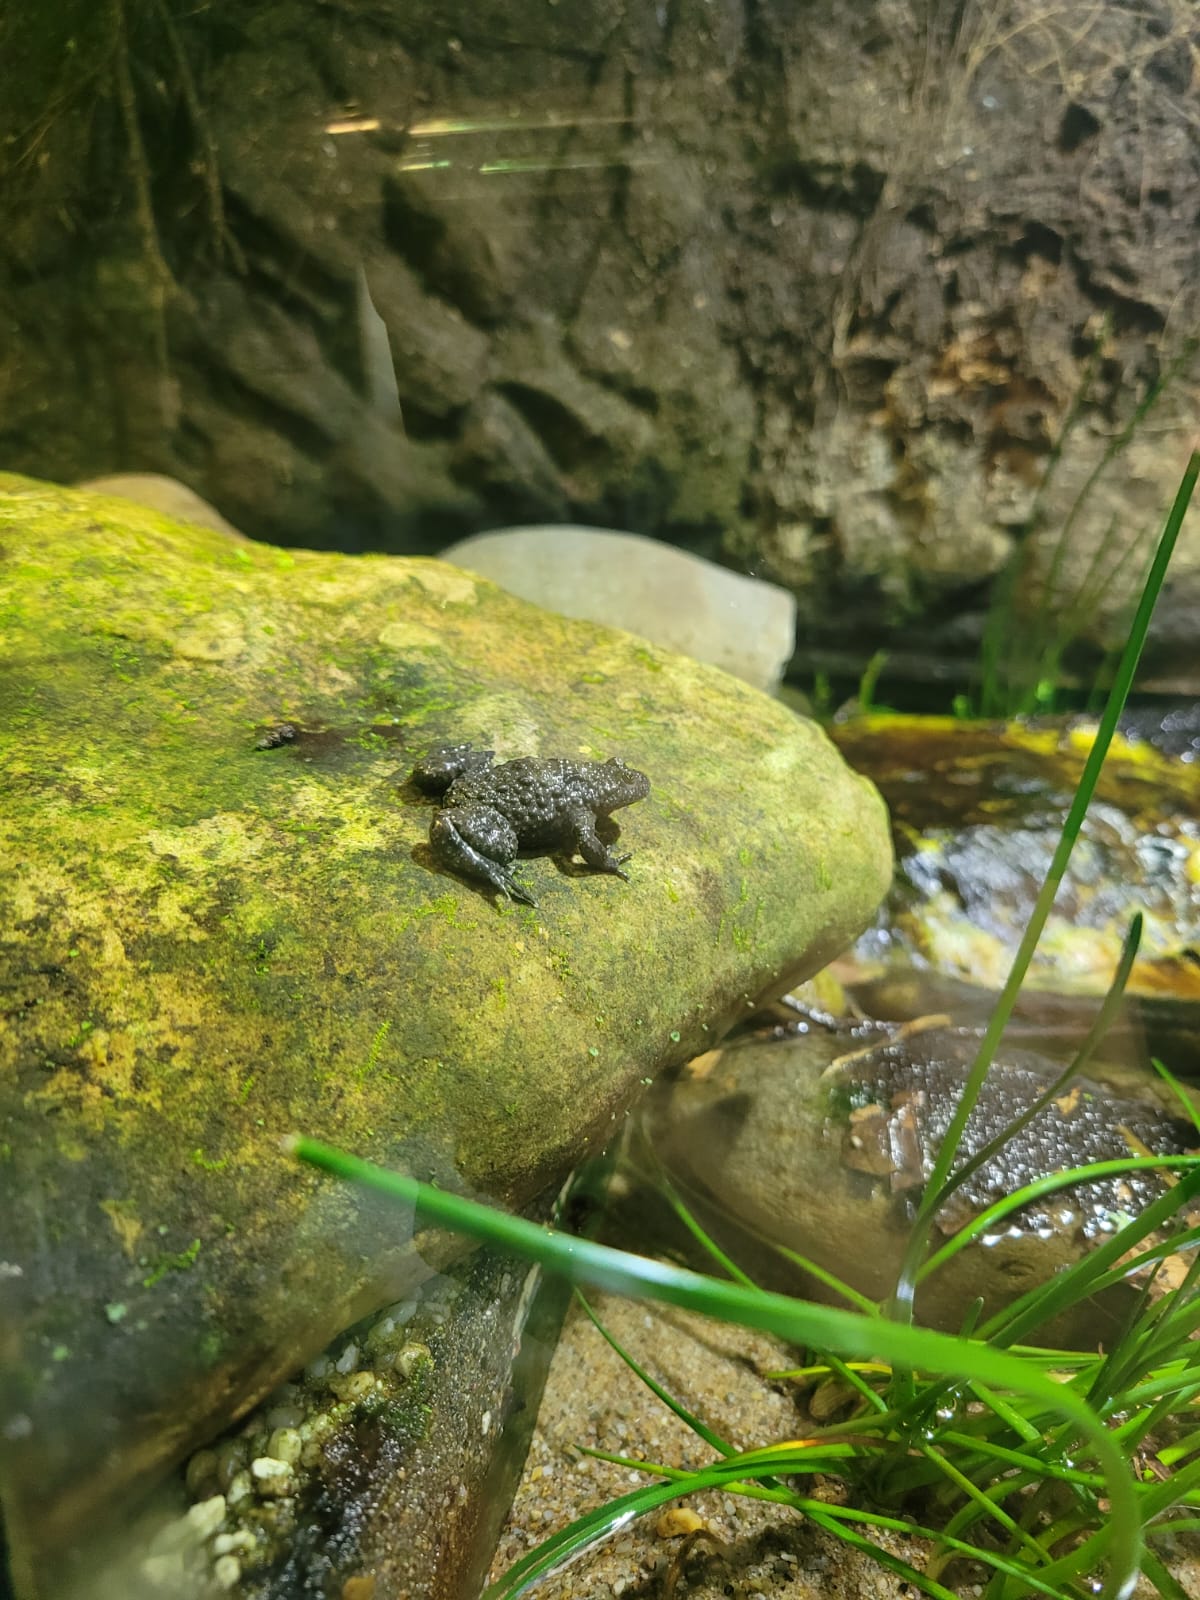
x=821, y=289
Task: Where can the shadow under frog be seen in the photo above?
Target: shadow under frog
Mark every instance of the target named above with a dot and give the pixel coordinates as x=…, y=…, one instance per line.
x=542, y=806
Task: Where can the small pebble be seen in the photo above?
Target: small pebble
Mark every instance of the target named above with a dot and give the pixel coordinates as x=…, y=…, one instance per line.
x=231, y=1458
x=226, y=1571
x=348, y=1360
x=206, y=1516
x=240, y=1486
x=271, y=1477
x=201, y=1469
x=226, y=1543
x=357, y=1386
x=285, y=1444
x=676, y=1520
x=286, y=1416
x=410, y=1358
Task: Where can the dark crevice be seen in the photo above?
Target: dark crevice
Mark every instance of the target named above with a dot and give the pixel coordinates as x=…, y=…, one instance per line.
x=1039, y=240
x=1077, y=127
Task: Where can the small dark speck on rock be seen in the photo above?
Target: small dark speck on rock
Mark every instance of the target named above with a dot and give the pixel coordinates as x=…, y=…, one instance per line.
x=281, y=733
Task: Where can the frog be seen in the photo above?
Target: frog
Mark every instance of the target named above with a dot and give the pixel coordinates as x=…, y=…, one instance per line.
x=544, y=805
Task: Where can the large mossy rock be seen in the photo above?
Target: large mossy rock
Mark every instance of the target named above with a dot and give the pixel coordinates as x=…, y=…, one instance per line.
x=205, y=945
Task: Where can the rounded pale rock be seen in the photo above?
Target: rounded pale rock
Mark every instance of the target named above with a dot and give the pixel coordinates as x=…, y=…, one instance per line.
x=160, y=493
x=623, y=580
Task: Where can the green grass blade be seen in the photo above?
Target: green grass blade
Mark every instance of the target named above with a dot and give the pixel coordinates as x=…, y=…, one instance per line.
x=1127, y=667
x=688, y=1418
x=704, y=1239
x=802, y=1322
x=830, y=1280
x=822, y=1517
x=1162, y=1580
x=1086, y=1277
x=1190, y=1109
x=830, y=1516
x=1103, y=1021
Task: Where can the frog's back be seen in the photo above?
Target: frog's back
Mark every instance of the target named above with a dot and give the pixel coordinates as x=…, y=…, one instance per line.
x=540, y=798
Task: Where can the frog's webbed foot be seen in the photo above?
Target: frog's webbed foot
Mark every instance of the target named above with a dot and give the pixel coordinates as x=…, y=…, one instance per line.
x=478, y=843
x=593, y=848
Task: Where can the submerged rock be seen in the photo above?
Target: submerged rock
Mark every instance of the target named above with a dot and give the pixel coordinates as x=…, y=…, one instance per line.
x=221, y=922
x=822, y=1143
x=977, y=811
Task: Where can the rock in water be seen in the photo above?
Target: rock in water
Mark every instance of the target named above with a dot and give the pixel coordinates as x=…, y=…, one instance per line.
x=822, y=1143
x=220, y=922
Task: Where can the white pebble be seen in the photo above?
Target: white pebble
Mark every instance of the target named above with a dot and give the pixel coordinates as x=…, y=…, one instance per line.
x=271, y=1477
x=226, y=1571
x=240, y=1485
x=358, y=1386
x=285, y=1445
x=348, y=1360
x=206, y=1516
x=410, y=1358
x=226, y=1543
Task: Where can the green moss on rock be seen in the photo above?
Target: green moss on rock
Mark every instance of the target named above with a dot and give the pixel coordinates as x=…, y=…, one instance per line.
x=207, y=945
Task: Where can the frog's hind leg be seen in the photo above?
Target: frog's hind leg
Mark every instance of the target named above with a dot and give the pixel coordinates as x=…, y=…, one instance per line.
x=479, y=843
x=592, y=847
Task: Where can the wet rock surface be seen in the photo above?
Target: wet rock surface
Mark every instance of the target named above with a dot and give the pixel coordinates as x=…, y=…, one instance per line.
x=822, y=1142
x=208, y=941
x=383, y=1468
x=900, y=1097
x=977, y=812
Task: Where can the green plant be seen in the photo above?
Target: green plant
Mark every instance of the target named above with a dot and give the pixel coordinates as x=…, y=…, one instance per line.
x=1017, y=1455
x=1022, y=653
x=989, y=1436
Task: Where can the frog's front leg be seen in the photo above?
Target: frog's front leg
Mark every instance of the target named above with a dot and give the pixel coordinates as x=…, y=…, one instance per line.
x=447, y=762
x=591, y=847
x=478, y=842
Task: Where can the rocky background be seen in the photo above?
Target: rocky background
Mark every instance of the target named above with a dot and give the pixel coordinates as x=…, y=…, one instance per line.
x=868, y=296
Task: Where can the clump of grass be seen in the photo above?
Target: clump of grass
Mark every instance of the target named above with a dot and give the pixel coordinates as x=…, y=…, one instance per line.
x=1023, y=650
x=1019, y=1457
x=1018, y=1454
